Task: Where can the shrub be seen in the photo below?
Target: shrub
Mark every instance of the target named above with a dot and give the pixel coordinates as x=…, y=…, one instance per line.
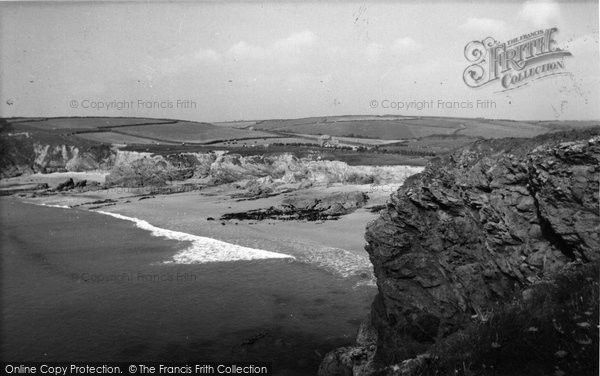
x=551, y=332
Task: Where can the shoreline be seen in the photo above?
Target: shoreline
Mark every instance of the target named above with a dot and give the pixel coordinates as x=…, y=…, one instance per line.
x=333, y=245
x=277, y=310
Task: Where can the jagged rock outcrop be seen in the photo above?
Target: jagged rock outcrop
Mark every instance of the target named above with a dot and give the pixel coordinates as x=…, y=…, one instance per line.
x=353, y=360
x=307, y=208
x=65, y=186
x=288, y=169
x=261, y=175
x=475, y=227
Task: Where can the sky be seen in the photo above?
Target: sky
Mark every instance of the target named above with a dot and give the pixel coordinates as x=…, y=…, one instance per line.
x=226, y=61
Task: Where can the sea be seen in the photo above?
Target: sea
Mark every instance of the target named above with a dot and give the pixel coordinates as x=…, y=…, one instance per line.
x=80, y=285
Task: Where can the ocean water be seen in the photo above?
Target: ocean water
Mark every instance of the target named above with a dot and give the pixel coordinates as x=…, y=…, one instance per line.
x=202, y=249
x=79, y=285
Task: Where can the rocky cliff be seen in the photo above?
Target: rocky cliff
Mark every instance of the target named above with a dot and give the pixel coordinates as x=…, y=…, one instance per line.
x=473, y=229
x=258, y=174
x=23, y=154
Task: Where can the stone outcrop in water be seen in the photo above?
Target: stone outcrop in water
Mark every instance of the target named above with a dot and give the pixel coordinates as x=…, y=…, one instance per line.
x=312, y=209
x=66, y=185
x=476, y=227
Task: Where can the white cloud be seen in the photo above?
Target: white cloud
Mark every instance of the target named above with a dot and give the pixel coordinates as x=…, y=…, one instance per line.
x=406, y=44
x=540, y=13
x=243, y=49
x=373, y=52
x=179, y=63
x=280, y=49
x=296, y=41
x=208, y=55
x=484, y=25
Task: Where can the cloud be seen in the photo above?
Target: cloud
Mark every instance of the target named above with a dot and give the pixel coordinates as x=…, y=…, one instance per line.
x=406, y=44
x=296, y=41
x=208, y=55
x=373, y=52
x=280, y=49
x=179, y=63
x=540, y=13
x=243, y=49
x=484, y=25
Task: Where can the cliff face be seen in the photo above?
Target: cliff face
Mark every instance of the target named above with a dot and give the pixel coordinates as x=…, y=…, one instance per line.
x=474, y=228
x=261, y=173
x=22, y=156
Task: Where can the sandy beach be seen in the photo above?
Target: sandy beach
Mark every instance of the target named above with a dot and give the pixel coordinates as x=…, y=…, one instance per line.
x=264, y=288
x=335, y=245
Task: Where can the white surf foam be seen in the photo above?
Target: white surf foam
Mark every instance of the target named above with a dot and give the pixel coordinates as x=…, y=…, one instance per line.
x=203, y=249
x=54, y=206
x=371, y=282
x=337, y=260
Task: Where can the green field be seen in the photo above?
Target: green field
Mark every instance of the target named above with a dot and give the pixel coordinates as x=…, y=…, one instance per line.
x=377, y=139
x=132, y=130
x=185, y=131
x=235, y=124
x=116, y=138
x=394, y=128
x=380, y=129
x=84, y=123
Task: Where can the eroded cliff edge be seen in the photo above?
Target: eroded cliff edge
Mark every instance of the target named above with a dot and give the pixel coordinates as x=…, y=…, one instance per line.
x=473, y=229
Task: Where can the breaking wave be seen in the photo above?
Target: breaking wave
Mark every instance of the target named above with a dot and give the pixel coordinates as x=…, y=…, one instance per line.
x=55, y=206
x=203, y=249
x=337, y=260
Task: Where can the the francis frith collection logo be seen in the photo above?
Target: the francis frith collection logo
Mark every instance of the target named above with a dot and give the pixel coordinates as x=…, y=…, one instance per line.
x=514, y=63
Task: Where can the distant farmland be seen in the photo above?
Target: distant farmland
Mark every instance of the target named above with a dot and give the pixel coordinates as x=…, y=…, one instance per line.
x=383, y=138
x=363, y=127
x=86, y=123
x=269, y=141
x=116, y=138
x=381, y=129
x=192, y=132
x=398, y=127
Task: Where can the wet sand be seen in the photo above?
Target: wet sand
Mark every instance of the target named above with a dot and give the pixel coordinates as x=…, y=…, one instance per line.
x=198, y=213
x=90, y=287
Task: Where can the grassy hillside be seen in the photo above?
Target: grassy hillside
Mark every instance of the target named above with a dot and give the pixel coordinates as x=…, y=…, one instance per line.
x=399, y=127
x=84, y=123
x=141, y=131
x=117, y=138
x=192, y=132
x=377, y=139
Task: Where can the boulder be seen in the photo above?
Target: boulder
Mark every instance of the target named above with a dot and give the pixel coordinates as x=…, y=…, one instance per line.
x=66, y=185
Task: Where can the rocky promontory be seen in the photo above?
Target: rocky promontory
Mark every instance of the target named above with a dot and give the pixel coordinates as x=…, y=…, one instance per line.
x=476, y=228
